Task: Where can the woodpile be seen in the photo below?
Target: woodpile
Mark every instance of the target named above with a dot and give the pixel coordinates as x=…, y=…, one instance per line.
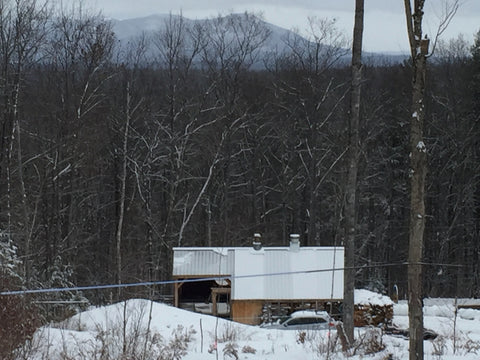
x=372, y=315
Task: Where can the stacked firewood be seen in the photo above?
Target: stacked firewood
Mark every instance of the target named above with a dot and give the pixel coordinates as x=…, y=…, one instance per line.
x=373, y=315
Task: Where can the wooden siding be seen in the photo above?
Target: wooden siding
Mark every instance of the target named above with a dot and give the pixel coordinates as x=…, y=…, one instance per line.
x=247, y=311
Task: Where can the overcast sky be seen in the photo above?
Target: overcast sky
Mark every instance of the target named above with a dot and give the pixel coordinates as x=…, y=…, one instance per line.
x=384, y=19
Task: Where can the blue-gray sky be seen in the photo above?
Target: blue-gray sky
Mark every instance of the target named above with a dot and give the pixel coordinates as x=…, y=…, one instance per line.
x=384, y=19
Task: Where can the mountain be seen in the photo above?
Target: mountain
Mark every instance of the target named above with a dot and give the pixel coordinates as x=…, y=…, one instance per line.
x=130, y=29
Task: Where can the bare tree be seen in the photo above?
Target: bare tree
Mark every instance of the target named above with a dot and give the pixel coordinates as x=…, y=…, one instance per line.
x=310, y=99
x=233, y=48
x=419, y=48
x=352, y=171
x=75, y=60
x=123, y=182
x=320, y=49
x=22, y=33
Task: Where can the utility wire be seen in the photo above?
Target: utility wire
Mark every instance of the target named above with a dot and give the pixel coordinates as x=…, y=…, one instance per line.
x=213, y=277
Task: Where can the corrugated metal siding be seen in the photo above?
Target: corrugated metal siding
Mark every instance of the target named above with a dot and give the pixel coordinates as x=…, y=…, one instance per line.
x=240, y=262
x=202, y=261
x=308, y=284
x=277, y=286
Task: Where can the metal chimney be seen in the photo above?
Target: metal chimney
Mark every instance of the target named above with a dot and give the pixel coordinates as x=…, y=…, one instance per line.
x=257, y=241
x=294, y=242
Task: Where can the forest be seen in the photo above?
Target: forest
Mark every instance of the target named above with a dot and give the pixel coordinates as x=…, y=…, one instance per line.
x=112, y=154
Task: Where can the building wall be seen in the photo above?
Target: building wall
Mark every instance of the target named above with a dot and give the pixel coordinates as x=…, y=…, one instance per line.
x=285, y=274
x=247, y=311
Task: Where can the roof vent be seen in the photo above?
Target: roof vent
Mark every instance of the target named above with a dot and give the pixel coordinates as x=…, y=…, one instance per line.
x=294, y=242
x=257, y=241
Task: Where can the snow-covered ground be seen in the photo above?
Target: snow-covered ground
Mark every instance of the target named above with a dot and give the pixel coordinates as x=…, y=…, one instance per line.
x=148, y=330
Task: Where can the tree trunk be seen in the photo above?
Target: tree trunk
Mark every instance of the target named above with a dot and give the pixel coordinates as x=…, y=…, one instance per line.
x=352, y=171
x=123, y=180
x=418, y=162
x=417, y=212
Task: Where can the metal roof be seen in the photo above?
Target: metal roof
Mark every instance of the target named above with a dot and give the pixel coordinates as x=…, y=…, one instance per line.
x=202, y=261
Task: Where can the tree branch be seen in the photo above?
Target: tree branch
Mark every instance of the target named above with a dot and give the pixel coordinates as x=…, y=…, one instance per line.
x=409, y=18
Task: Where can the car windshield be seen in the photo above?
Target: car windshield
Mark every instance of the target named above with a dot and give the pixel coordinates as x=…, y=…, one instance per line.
x=306, y=321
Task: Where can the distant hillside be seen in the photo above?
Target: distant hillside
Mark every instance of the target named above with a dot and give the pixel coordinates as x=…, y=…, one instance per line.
x=130, y=29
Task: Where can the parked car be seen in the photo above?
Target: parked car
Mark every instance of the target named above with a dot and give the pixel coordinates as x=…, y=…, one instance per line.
x=304, y=320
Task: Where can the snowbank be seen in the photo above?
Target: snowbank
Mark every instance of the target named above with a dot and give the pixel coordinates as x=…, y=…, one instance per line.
x=367, y=297
x=167, y=332
x=469, y=314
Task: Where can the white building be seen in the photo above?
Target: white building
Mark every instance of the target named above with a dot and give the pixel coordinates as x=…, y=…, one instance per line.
x=248, y=279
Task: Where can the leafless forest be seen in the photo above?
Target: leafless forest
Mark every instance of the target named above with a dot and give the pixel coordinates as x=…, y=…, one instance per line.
x=111, y=154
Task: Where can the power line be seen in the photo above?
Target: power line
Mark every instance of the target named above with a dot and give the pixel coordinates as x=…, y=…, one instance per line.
x=213, y=277
x=108, y=286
